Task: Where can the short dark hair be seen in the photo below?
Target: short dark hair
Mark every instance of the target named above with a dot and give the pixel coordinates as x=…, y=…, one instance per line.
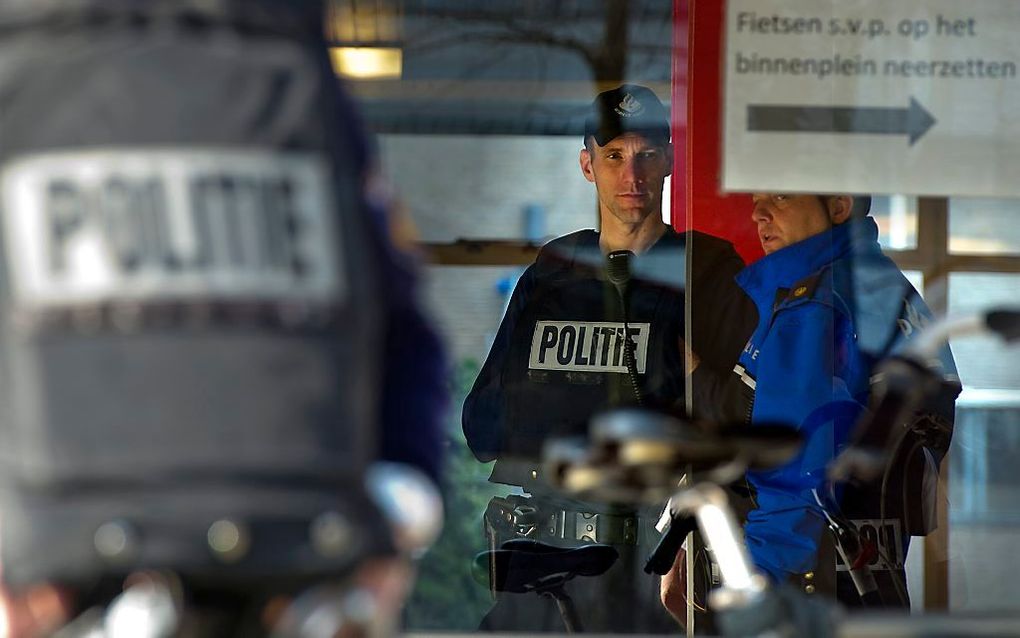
x=860, y=208
x=629, y=108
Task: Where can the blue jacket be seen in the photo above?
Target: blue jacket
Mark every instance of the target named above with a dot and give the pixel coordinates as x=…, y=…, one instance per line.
x=830, y=308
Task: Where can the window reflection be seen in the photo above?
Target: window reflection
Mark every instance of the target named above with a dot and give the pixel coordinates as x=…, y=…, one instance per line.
x=984, y=226
x=896, y=216
x=489, y=187
x=983, y=361
x=984, y=499
x=985, y=502
x=460, y=180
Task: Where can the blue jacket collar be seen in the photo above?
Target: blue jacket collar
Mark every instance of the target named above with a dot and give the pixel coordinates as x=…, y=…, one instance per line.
x=789, y=265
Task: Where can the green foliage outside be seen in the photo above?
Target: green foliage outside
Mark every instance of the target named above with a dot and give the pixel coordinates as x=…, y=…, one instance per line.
x=446, y=596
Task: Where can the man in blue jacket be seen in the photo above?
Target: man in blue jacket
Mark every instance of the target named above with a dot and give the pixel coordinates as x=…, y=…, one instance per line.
x=830, y=306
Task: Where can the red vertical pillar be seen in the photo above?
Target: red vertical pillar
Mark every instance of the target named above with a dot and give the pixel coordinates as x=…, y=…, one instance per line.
x=680, y=183
x=698, y=64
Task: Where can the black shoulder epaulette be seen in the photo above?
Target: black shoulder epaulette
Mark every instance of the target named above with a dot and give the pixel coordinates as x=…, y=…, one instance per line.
x=805, y=288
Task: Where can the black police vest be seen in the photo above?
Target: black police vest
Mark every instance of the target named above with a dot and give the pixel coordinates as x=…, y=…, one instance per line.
x=188, y=315
x=566, y=358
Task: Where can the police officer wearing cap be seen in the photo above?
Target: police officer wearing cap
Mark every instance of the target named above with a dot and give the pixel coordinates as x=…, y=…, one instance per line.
x=560, y=356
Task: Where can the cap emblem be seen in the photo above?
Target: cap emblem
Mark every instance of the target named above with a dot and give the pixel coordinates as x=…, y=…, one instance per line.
x=629, y=106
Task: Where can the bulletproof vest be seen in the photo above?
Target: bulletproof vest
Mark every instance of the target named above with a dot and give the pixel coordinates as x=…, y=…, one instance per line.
x=188, y=330
x=566, y=359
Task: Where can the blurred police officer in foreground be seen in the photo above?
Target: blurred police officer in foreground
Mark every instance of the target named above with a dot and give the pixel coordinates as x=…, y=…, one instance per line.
x=206, y=335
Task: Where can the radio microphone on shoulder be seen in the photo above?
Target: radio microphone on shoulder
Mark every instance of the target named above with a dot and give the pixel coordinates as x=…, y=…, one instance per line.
x=618, y=269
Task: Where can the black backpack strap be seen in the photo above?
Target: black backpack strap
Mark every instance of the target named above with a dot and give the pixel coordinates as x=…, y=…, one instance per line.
x=577, y=253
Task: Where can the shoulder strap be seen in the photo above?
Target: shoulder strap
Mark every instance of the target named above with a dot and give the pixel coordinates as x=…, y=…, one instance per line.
x=561, y=254
x=805, y=288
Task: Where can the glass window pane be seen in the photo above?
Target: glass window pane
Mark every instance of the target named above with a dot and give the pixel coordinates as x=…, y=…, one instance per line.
x=984, y=362
x=491, y=187
x=983, y=497
x=460, y=179
x=896, y=216
x=984, y=226
x=916, y=279
x=467, y=304
x=984, y=505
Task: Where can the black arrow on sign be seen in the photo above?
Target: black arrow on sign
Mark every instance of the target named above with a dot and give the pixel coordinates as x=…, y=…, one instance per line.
x=914, y=120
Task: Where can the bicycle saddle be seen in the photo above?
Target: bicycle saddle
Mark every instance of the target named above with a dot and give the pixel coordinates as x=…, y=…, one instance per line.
x=522, y=565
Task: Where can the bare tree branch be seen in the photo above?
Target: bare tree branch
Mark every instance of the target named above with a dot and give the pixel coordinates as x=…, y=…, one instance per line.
x=606, y=56
x=513, y=34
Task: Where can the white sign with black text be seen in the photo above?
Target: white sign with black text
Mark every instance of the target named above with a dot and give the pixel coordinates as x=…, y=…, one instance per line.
x=870, y=96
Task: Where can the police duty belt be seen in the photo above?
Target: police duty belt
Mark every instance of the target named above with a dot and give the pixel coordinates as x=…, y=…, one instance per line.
x=521, y=516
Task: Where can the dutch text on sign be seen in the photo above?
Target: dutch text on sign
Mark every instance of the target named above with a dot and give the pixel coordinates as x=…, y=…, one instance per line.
x=871, y=96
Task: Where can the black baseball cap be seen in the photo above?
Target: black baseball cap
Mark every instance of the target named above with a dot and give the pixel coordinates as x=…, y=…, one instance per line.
x=629, y=108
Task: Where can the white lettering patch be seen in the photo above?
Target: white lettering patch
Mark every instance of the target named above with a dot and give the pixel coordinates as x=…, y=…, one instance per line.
x=885, y=535
x=586, y=346
x=162, y=224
